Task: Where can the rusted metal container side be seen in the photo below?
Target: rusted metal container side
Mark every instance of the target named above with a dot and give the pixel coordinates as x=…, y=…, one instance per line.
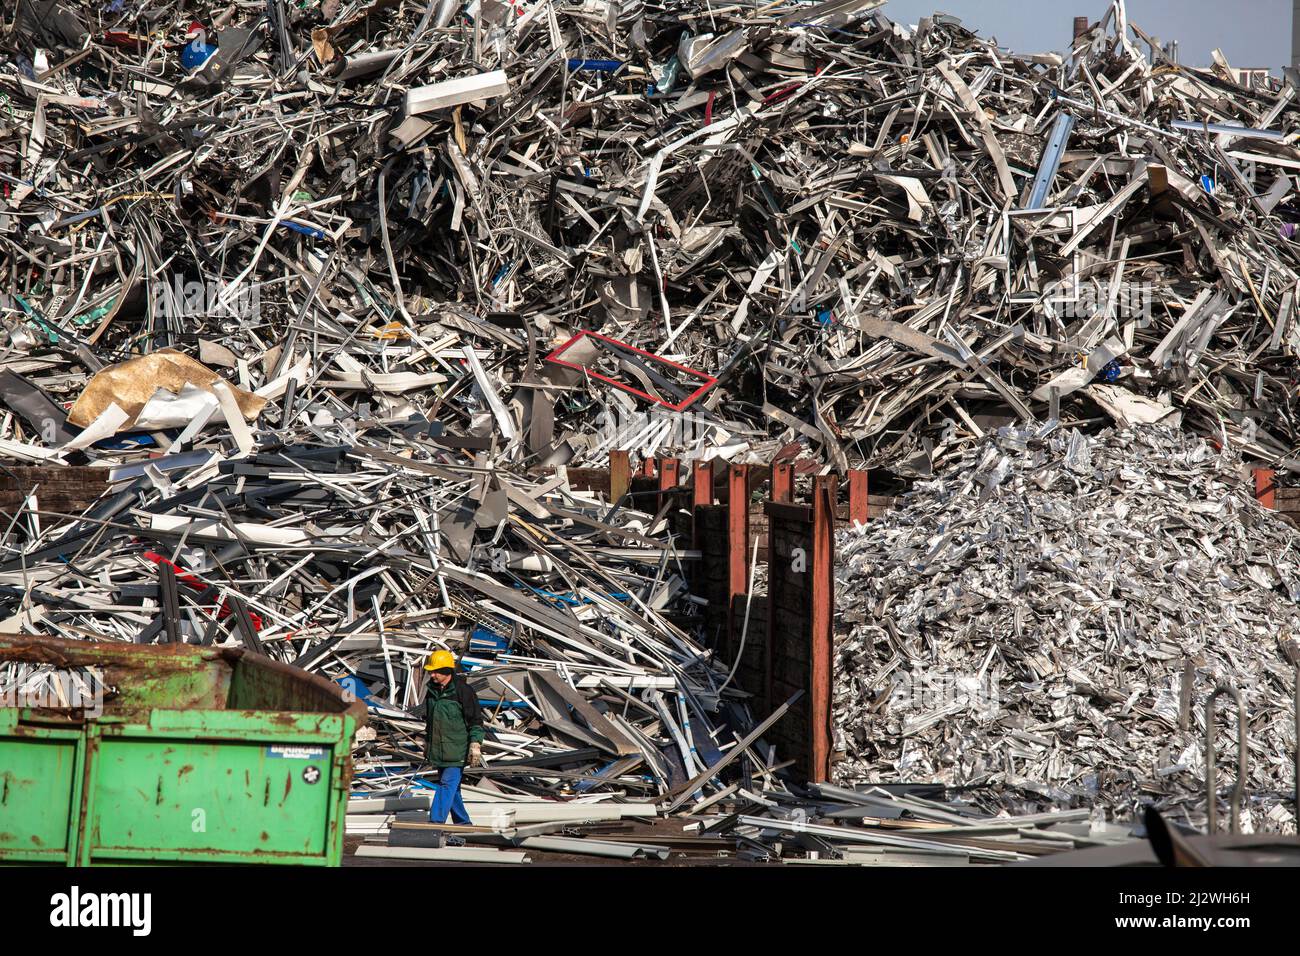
x=190, y=754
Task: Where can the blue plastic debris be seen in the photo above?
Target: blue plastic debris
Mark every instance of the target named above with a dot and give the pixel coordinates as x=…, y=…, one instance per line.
x=132, y=440
x=491, y=704
x=198, y=51
x=481, y=639
x=354, y=686
x=589, y=784
x=305, y=230
x=1207, y=183
x=825, y=317
x=1111, y=370
x=598, y=66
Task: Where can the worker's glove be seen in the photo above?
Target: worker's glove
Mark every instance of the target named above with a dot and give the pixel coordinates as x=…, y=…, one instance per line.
x=475, y=755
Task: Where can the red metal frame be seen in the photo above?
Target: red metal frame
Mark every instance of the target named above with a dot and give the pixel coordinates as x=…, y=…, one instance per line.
x=859, y=502
x=701, y=496
x=783, y=482
x=668, y=477
x=737, y=545
x=702, y=484
x=709, y=380
x=821, y=654
x=1265, y=489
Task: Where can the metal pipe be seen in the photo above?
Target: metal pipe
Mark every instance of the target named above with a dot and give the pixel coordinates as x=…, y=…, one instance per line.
x=446, y=11
x=1227, y=129
x=1211, y=772
x=351, y=67
x=1185, y=698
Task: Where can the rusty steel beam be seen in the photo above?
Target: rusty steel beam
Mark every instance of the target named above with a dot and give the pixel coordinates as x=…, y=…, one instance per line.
x=702, y=483
x=783, y=482
x=1265, y=487
x=648, y=468
x=781, y=491
x=668, y=478
x=821, y=655
x=859, y=505
x=701, y=497
x=620, y=475
x=737, y=545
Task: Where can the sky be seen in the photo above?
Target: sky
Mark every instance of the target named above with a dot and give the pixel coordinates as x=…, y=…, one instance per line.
x=1251, y=33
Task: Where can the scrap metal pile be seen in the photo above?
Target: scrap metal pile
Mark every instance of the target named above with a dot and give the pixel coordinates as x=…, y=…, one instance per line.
x=1022, y=623
x=356, y=562
x=804, y=223
x=329, y=292
x=910, y=825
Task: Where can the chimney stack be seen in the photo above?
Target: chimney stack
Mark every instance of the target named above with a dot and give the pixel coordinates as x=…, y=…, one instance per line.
x=1081, y=25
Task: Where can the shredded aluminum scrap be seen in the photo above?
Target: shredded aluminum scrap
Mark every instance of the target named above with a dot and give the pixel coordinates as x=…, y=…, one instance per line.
x=1020, y=625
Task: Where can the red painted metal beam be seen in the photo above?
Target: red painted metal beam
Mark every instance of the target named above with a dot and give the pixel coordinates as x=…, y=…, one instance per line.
x=782, y=492
x=821, y=654
x=783, y=482
x=648, y=468
x=701, y=497
x=620, y=474
x=859, y=504
x=702, y=483
x=668, y=478
x=737, y=546
x=1265, y=487
x=594, y=342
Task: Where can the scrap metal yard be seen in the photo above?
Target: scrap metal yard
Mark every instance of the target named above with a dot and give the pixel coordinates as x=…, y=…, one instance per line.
x=666, y=434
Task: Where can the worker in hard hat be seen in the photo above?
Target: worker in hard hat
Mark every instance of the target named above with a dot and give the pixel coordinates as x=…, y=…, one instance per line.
x=454, y=734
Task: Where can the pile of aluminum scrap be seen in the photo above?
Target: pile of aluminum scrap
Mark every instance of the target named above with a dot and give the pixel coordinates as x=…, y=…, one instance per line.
x=332, y=294
x=910, y=825
x=901, y=825
x=553, y=228
x=1021, y=625
x=571, y=618
x=397, y=827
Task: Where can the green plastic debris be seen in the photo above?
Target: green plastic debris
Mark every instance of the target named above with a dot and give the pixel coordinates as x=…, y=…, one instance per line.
x=94, y=315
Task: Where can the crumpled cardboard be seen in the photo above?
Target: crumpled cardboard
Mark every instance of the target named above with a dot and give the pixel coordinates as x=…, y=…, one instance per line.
x=131, y=384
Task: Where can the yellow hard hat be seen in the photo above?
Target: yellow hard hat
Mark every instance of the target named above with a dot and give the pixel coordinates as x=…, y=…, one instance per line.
x=440, y=659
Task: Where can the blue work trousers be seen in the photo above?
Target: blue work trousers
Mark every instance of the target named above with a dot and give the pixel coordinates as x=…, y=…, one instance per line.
x=447, y=799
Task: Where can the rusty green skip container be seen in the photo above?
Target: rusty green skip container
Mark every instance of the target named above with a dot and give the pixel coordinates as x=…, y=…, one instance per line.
x=197, y=755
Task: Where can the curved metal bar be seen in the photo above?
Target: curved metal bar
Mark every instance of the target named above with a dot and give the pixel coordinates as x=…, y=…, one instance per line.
x=1211, y=772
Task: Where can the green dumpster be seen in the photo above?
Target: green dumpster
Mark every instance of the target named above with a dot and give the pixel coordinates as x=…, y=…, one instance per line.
x=187, y=754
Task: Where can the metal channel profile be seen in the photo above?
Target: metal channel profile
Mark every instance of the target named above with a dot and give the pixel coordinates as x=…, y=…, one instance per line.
x=1051, y=160
x=1211, y=774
